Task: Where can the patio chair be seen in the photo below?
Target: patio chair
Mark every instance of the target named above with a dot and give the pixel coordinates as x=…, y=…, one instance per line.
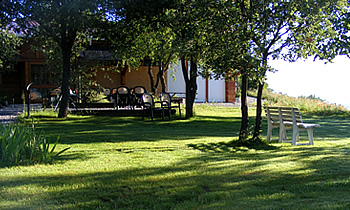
x=148, y=105
x=123, y=97
x=138, y=92
x=168, y=103
x=108, y=93
x=58, y=98
x=113, y=95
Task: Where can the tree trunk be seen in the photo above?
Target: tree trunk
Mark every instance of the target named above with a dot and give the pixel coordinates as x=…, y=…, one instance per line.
x=160, y=76
x=150, y=74
x=243, y=133
x=192, y=89
x=66, y=43
x=165, y=69
x=191, y=84
x=258, y=120
x=162, y=82
x=257, y=130
x=64, y=104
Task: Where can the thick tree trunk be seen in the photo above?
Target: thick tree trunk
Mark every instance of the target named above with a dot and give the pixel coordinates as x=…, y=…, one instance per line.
x=191, y=84
x=64, y=104
x=243, y=133
x=257, y=130
x=192, y=89
x=66, y=43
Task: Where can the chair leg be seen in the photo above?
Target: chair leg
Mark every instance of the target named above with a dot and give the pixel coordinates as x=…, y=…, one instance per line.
x=162, y=113
x=283, y=135
x=311, y=136
x=295, y=136
x=269, y=133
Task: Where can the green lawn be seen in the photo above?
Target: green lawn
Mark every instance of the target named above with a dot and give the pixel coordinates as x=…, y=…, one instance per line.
x=181, y=164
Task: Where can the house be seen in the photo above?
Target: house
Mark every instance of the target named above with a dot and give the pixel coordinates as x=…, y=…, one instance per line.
x=208, y=90
x=31, y=68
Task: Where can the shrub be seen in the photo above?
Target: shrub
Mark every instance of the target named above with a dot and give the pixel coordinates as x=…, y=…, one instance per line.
x=25, y=145
x=94, y=96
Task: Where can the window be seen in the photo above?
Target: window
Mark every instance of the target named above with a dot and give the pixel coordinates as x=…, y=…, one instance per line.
x=39, y=75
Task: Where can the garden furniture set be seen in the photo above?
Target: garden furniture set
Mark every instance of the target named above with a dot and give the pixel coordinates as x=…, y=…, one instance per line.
x=138, y=98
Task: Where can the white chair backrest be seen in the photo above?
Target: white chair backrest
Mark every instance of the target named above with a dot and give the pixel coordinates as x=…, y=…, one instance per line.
x=107, y=91
x=139, y=90
x=123, y=90
x=272, y=114
x=147, y=99
x=165, y=97
x=290, y=114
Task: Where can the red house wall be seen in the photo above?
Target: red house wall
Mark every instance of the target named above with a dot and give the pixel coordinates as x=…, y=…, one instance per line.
x=230, y=93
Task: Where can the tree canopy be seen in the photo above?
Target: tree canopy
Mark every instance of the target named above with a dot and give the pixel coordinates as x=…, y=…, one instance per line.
x=141, y=35
x=61, y=21
x=264, y=30
x=9, y=41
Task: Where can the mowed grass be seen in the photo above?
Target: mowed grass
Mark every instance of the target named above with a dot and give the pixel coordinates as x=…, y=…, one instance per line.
x=181, y=164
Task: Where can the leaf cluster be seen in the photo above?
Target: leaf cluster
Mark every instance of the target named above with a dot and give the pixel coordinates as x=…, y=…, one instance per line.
x=9, y=47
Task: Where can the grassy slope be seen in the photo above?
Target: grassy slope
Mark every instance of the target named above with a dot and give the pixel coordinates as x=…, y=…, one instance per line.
x=309, y=105
x=181, y=164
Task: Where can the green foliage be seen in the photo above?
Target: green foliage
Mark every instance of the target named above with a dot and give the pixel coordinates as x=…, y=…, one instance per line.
x=3, y=95
x=24, y=145
x=246, y=34
x=9, y=44
x=94, y=96
x=63, y=23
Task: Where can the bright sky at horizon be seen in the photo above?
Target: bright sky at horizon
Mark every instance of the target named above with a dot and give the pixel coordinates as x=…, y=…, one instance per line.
x=330, y=82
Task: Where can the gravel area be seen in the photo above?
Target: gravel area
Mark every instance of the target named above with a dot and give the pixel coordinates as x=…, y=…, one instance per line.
x=8, y=114
x=250, y=100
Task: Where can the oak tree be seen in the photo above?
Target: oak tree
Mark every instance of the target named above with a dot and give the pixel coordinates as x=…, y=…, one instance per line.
x=61, y=21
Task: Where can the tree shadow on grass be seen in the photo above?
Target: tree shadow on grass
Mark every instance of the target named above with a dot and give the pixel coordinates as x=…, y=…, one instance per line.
x=198, y=182
x=232, y=146
x=113, y=129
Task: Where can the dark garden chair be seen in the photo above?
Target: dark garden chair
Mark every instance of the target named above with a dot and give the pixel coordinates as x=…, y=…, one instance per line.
x=138, y=92
x=108, y=93
x=168, y=103
x=149, y=107
x=123, y=98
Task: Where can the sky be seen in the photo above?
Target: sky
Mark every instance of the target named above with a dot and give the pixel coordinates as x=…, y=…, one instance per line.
x=330, y=82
